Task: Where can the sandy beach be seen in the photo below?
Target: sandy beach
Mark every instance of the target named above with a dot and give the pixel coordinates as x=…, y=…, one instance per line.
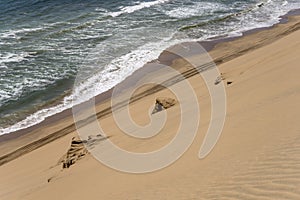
x=256, y=157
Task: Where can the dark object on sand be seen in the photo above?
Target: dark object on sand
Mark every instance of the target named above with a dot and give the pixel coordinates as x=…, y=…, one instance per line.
x=162, y=103
x=75, y=152
x=260, y=5
x=218, y=80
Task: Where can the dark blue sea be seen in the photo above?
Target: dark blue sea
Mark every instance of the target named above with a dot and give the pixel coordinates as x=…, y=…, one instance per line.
x=43, y=44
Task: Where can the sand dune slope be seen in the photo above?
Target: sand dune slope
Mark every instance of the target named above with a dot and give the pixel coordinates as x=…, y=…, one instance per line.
x=257, y=156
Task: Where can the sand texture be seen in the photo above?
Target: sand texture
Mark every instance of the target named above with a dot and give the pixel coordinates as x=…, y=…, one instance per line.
x=256, y=157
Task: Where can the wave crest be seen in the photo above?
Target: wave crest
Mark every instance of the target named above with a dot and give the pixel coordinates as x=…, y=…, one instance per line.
x=131, y=9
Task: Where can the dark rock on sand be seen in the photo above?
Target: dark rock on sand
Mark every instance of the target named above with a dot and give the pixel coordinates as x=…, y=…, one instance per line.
x=162, y=103
x=75, y=153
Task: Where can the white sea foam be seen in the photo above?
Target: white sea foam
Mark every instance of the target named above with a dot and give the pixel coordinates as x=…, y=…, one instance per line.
x=102, y=10
x=14, y=57
x=198, y=9
x=100, y=82
x=285, y=3
x=264, y=16
x=121, y=67
x=14, y=33
x=13, y=91
x=253, y=16
x=139, y=6
x=36, y=118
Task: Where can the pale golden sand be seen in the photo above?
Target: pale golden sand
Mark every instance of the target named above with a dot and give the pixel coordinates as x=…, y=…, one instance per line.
x=257, y=156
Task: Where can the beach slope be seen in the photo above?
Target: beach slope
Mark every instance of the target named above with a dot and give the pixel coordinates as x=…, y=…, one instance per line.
x=256, y=157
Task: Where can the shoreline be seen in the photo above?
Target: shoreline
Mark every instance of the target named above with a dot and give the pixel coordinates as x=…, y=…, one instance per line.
x=257, y=155
x=164, y=58
x=37, y=139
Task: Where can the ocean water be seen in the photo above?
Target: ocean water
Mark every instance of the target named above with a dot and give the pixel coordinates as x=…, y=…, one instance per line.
x=43, y=44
